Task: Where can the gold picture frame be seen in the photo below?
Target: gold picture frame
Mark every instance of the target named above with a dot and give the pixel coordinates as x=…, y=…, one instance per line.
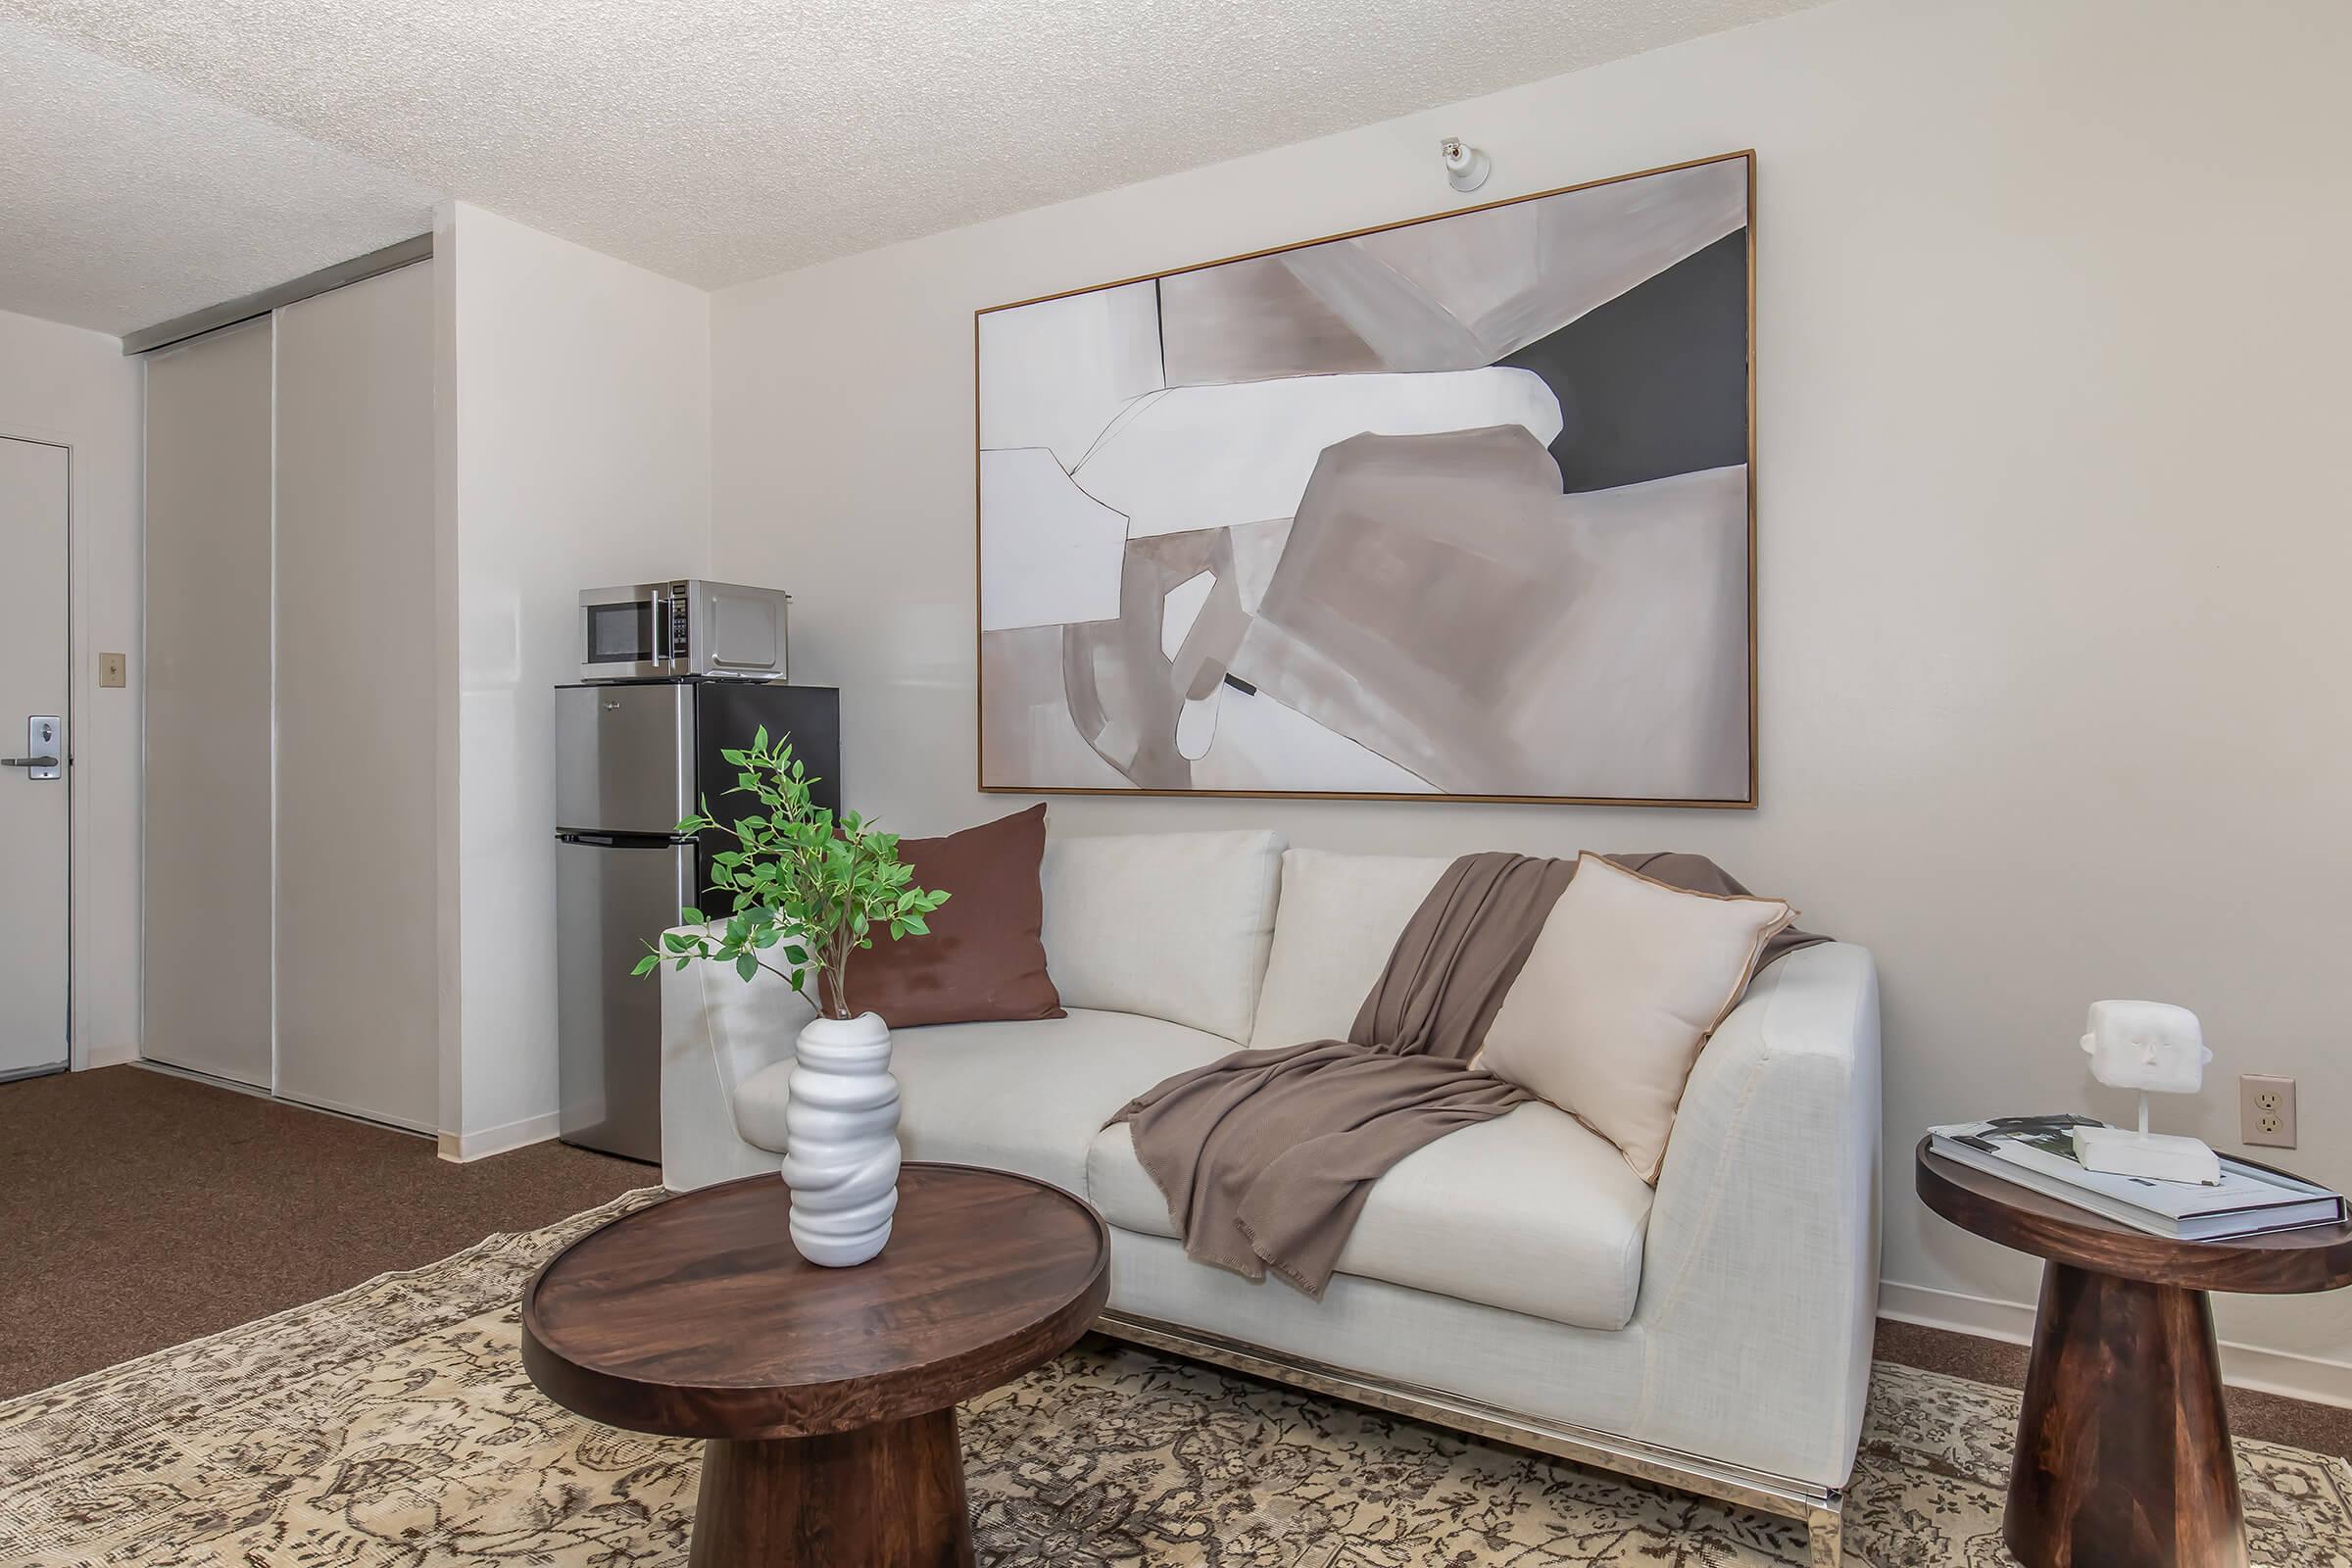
x=1742, y=784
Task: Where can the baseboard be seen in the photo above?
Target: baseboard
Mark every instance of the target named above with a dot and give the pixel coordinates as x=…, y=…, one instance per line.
x=460, y=1148
x=122, y=1053
x=2244, y=1366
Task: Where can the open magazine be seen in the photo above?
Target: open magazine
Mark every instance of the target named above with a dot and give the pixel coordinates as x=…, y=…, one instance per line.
x=2039, y=1153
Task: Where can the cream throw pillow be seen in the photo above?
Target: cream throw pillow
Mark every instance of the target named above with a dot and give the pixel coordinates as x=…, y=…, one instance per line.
x=1624, y=985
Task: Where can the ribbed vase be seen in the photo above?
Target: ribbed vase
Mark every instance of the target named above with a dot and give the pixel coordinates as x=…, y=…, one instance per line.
x=841, y=1141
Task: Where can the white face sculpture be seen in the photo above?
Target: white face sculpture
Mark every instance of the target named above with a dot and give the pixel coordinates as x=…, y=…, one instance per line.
x=2151, y=1046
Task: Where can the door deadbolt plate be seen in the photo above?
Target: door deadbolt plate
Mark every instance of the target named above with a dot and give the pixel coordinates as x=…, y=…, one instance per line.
x=42, y=739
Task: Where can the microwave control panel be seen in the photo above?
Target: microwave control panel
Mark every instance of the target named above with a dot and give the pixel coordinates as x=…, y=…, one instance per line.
x=676, y=622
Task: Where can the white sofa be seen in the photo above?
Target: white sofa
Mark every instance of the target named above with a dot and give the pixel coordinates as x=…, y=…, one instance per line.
x=1514, y=1278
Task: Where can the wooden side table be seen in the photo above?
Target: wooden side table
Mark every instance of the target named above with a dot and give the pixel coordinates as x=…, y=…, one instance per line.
x=826, y=1397
x=2123, y=1453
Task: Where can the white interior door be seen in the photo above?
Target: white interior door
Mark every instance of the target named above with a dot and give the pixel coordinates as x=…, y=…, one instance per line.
x=208, y=659
x=34, y=661
x=358, y=976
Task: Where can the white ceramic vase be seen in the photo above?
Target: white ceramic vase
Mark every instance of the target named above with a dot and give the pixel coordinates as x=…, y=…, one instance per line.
x=841, y=1141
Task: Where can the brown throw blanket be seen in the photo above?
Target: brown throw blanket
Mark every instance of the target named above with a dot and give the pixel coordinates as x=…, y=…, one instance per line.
x=1266, y=1156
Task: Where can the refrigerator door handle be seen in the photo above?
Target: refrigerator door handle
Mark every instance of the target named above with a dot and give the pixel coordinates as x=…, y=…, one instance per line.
x=623, y=841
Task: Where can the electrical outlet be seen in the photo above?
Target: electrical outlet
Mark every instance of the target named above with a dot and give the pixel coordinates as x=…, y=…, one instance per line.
x=2266, y=1110
x=111, y=670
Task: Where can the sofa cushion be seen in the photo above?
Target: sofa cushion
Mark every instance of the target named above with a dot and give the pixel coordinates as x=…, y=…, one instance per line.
x=983, y=960
x=1026, y=1097
x=1167, y=925
x=1531, y=1212
x=1338, y=918
x=1626, y=981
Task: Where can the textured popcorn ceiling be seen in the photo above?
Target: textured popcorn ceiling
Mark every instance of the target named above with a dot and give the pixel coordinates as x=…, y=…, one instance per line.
x=127, y=200
x=720, y=141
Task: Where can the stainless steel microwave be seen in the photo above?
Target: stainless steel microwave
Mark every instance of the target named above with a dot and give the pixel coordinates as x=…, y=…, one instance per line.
x=683, y=627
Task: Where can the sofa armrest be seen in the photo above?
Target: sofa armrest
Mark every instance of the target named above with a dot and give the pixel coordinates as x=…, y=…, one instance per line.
x=1759, y=1291
x=717, y=1030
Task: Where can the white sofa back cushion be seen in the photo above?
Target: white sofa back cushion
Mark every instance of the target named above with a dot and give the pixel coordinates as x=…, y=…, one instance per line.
x=1340, y=916
x=1169, y=925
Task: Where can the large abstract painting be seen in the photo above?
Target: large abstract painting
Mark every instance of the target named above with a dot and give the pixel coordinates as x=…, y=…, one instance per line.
x=1454, y=508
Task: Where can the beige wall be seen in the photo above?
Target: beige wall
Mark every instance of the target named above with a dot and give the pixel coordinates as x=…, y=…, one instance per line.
x=2054, y=527
x=575, y=425
x=61, y=384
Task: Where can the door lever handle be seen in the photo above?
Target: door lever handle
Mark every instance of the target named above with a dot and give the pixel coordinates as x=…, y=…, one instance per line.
x=27, y=762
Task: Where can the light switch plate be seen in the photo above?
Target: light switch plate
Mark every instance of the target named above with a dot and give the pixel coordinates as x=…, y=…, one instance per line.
x=113, y=669
x=2266, y=1110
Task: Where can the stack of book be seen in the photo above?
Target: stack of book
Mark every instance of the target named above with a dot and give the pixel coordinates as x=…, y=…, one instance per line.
x=2039, y=1153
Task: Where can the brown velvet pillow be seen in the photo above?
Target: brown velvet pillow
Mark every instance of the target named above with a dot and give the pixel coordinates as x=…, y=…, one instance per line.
x=984, y=958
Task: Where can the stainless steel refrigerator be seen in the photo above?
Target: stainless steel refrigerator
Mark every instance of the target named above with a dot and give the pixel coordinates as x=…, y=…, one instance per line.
x=632, y=758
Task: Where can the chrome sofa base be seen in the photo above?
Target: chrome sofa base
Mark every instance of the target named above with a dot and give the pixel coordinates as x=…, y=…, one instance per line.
x=1821, y=1510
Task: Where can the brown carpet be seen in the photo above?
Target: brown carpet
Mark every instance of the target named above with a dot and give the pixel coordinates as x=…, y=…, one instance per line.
x=141, y=1211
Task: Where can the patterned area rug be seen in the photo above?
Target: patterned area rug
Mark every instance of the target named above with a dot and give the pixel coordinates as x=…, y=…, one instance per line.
x=392, y=1425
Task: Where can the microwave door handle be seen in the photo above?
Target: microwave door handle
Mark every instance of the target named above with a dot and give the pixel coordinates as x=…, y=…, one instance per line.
x=660, y=647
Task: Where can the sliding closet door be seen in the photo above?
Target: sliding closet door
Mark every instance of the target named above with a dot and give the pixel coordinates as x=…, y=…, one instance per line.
x=208, y=663
x=357, y=977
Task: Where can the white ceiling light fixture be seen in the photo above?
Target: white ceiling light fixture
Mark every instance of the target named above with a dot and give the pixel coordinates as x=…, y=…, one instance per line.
x=1466, y=167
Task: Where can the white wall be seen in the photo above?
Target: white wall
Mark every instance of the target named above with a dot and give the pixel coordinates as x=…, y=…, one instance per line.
x=575, y=450
x=61, y=384
x=2054, y=525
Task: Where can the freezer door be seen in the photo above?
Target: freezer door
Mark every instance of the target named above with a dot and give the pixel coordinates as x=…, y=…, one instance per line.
x=624, y=759
x=611, y=898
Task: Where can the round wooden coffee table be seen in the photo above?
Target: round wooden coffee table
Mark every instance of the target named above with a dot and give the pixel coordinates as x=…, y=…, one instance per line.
x=2123, y=1446
x=826, y=1397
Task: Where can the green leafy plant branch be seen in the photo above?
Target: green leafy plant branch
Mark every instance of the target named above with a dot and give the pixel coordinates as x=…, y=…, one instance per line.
x=803, y=892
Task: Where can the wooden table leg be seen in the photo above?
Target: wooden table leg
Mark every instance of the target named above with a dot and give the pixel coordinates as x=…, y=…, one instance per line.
x=881, y=1497
x=2123, y=1447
